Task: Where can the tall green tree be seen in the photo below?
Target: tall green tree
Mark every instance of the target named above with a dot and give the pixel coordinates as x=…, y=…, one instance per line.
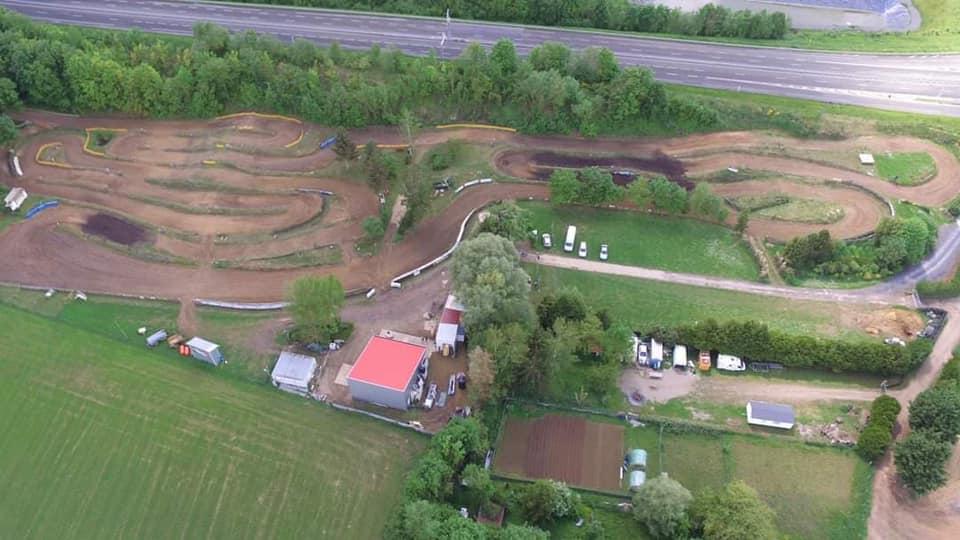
x=733, y=513
x=707, y=204
x=937, y=410
x=506, y=219
x=921, y=461
x=638, y=192
x=668, y=196
x=314, y=305
x=661, y=506
x=8, y=130
x=488, y=279
x=597, y=187
x=564, y=186
x=344, y=147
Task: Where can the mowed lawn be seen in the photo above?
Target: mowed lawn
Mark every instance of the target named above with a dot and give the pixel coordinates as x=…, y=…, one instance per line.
x=653, y=241
x=817, y=492
x=643, y=304
x=105, y=439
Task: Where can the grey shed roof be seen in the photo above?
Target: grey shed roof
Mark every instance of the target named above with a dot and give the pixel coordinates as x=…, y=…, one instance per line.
x=203, y=345
x=771, y=412
x=294, y=368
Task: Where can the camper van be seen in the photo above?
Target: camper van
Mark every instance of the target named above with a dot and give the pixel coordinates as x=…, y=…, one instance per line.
x=680, y=357
x=727, y=362
x=571, y=237
x=656, y=353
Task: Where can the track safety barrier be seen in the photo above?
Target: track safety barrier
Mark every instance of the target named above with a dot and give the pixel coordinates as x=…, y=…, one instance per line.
x=395, y=282
x=473, y=183
x=41, y=207
x=47, y=162
x=478, y=126
x=86, y=141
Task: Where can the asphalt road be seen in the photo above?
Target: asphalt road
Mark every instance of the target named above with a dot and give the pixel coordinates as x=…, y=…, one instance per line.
x=918, y=83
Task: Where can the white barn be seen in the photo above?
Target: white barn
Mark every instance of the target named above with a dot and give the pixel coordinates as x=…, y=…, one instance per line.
x=775, y=415
x=450, y=328
x=293, y=372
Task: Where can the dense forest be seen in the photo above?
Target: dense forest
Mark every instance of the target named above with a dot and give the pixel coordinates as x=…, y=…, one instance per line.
x=709, y=21
x=554, y=90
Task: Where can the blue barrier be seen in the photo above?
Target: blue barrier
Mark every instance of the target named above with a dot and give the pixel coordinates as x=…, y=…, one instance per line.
x=328, y=142
x=41, y=207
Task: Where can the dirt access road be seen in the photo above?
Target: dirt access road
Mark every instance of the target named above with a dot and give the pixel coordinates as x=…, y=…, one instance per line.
x=896, y=515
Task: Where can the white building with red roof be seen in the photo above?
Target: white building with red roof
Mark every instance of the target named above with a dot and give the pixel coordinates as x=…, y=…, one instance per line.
x=389, y=371
x=450, y=329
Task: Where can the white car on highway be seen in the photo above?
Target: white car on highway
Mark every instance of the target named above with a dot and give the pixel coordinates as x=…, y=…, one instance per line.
x=583, y=249
x=603, y=252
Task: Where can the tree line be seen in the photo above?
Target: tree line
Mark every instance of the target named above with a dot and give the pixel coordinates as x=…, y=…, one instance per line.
x=710, y=20
x=755, y=341
x=554, y=90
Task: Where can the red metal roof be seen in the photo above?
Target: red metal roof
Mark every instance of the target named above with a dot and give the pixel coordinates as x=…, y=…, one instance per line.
x=450, y=316
x=387, y=363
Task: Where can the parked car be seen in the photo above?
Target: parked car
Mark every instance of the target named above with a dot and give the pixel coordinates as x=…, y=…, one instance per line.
x=643, y=356
x=728, y=362
x=603, y=252
x=452, y=385
x=583, y=249
x=442, y=400
x=547, y=241
x=431, y=396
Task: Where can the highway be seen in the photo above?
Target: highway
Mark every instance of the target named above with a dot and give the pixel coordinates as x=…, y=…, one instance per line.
x=912, y=83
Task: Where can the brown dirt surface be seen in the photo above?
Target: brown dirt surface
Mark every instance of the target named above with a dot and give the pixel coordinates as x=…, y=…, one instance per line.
x=565, y=448
x=114, y=229
x=861, y=211
x=891, y=322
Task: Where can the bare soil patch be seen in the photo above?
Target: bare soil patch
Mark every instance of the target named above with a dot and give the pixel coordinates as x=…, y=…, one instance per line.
x=891, y=322
x=566, y=448
x=114, y=229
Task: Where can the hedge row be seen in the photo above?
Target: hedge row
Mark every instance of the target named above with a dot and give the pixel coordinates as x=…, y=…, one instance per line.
x=755, y=341
x=939, y=289
x=878, y=433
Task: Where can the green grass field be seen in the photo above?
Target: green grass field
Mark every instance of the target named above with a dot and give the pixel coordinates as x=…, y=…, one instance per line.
x=816, y=492
x=906, y=168
x=643, y=304
x=108, y=439
x=803, y=211
x=668, y=243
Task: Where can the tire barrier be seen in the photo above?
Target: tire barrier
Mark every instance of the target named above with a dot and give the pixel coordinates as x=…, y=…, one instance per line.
x=241, y=306
x=328, y=142
x=41, y=207
x=260, y=115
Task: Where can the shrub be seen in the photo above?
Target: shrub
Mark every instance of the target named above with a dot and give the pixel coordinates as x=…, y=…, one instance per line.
x=877, y=434
x=921, y=461
x=951, y=371
x=444, y=155
x=937, y=411
x=661, y=505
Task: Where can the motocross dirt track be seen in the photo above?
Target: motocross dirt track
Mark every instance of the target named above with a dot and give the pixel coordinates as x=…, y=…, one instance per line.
x=232, y=189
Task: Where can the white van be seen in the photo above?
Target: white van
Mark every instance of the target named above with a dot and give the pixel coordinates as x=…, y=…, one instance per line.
x=727, y=362
x=568, y=243
x=680, y=356
x=656, y=351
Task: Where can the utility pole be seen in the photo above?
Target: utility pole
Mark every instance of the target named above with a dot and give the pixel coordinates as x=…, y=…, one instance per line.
x=444, y=36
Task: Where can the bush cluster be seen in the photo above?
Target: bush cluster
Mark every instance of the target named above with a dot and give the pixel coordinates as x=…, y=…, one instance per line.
x=878, y=433
x=939, y=289
x=754, y=340
x=710, y=20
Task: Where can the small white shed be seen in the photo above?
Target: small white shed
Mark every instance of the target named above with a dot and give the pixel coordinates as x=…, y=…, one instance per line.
x=293, y=372
x=776, y=415
x=206, y=351
x=15, y=199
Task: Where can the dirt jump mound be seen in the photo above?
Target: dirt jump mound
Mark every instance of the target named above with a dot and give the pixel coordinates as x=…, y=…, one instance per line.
x=114, y=229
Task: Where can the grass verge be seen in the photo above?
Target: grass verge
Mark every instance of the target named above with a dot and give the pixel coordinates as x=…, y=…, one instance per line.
x=202, y=183
x=668, y=243
x=208, y=210
x=144, y=251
